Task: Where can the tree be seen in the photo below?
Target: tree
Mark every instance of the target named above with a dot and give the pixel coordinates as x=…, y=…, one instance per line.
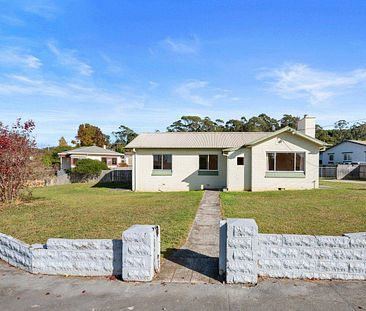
x=358, y=131
x=234, y=125
x=51, y=157
x=124, y=135
x=289, y=120
x=89, y=135
x=62, y=142
x=262, y=123
x=90, y=167
x=196, y=124
x=17, y=148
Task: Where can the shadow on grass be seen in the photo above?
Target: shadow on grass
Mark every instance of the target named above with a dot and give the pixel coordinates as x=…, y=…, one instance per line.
x=203, y=264
x=113, y=185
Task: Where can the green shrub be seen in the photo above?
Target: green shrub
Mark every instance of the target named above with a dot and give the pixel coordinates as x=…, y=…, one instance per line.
x=90, y=167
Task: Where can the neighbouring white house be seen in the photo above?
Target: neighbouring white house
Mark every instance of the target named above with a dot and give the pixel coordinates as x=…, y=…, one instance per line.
x=112, y=158
x=236, y=161
x=347, y=152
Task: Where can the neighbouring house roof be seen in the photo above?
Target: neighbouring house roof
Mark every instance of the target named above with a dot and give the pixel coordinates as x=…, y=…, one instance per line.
x=218, y=140
x=90, y=150
x=360, y=142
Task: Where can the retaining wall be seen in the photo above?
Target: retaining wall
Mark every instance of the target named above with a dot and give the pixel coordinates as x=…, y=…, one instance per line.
x=250, y=254
x=87, y=257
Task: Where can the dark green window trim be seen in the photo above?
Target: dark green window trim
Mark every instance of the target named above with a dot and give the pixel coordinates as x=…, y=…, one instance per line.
x=162, y=173
x=208, y=173
x=277, y=174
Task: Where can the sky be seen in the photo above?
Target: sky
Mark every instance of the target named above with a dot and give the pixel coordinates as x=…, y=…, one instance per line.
x=144, y=64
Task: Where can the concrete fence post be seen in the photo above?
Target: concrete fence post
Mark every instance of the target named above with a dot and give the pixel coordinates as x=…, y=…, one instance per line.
x=140, y=253
x=241, y=251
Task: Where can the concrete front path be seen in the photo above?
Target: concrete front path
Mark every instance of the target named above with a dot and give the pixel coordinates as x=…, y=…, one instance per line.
x=20, y=291
x=197, y=261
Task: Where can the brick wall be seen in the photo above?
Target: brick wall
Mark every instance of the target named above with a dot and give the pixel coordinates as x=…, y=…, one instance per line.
x=250, y=254
x=88, y=257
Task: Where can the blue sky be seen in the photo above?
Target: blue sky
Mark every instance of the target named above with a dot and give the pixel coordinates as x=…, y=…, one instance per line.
x=146, y=63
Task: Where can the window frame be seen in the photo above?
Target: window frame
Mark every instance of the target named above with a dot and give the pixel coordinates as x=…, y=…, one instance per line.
x=294, y=160
x=162, y=155
x=349, y=155
x=208, y=162
x=241, y=159
x=331, y=161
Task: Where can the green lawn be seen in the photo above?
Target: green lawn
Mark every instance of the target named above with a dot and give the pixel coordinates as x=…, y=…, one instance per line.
x=333, y=211
x=81, y=211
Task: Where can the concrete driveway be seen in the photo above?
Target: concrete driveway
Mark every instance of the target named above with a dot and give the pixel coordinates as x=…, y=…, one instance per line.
x=23, y=291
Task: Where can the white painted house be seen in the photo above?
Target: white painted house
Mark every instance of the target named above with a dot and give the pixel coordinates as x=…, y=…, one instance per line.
x=112, y=158
x=347, y=152
x=236, y=161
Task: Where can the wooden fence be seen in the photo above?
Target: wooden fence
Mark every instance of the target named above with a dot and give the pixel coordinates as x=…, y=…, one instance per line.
x=122, y=176
x=328, y=172
x=343, y=171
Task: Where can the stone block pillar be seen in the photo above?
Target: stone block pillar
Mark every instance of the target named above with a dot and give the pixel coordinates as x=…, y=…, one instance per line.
x=140, y=253
x=241, y=251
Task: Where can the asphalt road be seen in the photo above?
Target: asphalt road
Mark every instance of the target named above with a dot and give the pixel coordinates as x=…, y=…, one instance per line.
x=20, y=290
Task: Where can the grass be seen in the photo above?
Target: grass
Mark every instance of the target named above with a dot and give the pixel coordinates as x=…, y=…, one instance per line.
x=82, y=211
x=332, y=211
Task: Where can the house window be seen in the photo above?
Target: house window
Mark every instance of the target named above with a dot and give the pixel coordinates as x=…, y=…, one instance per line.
x=286, y=161
x=104, y=160
x=209, y=162
x=74, y=161
x=114, y=161
x=162, y=162
x=331, y=158
x=347, y=157
x=240, y=161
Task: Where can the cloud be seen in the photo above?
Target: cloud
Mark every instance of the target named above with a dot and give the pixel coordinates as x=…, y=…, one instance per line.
x=69, y=58
x=13, y=57
x=201, y=93
x=179, y=46
x=42, y=8
x=111, y=65
x=11, y=20
x=20, y=86
x=153, y=85
x=316, y=86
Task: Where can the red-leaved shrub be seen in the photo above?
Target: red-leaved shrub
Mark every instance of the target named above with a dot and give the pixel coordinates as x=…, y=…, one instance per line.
x=16, y=150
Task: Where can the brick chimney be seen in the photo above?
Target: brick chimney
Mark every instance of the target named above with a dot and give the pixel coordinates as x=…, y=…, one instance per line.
x=307, y=125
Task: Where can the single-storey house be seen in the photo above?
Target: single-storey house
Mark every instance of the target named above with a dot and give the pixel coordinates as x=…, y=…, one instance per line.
x=112, y=158
x=236, y=161
x=347, y=152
